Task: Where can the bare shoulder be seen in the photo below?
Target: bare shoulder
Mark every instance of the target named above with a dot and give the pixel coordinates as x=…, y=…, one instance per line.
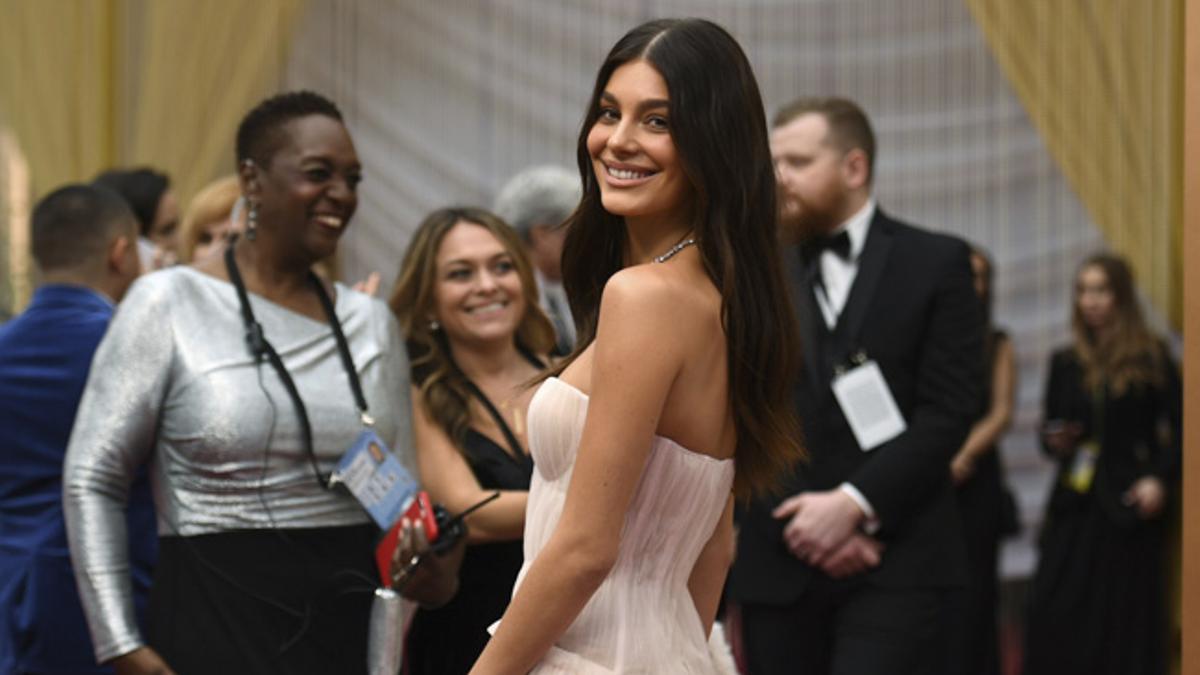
x=636, y=290
x=658, y=294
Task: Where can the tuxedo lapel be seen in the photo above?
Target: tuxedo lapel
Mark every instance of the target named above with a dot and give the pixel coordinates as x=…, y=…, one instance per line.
x=803, y=302
x=870, y=270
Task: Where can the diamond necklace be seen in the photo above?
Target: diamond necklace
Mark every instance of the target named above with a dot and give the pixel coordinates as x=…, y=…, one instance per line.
x=675, y=249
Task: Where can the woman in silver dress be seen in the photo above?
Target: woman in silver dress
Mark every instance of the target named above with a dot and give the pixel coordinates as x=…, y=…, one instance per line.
x=236, y=379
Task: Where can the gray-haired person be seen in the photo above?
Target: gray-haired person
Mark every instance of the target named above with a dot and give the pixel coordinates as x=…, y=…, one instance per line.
x=535, y=202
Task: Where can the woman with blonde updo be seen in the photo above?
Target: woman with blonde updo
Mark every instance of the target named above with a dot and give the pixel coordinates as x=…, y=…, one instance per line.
x=208, y=222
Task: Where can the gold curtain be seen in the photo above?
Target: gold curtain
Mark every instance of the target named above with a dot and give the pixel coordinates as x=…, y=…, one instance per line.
x=194, y=69
x=90, y=84
x=56, y=83
x=1102, y=80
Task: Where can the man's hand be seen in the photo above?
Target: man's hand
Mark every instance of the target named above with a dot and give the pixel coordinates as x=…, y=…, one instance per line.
x=856, y=555
x=141, y=661
x=820, y=521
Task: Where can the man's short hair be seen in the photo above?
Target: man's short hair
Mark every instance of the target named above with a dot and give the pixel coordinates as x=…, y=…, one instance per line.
x=849, y=127
x=72, y=227
x=540, y=195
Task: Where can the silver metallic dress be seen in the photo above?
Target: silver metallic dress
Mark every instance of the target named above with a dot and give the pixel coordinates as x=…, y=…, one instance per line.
x=174, y=383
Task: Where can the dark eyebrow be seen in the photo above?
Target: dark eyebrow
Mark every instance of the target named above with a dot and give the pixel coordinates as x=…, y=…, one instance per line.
x=648, y=104
x=327, y=161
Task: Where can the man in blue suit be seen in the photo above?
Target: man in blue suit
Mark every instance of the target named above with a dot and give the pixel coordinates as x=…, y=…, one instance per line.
x=85, y=245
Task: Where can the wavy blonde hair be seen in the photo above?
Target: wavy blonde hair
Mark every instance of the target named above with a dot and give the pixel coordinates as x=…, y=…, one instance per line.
x=1129, y=354
x=212, y=204
x=442, y=385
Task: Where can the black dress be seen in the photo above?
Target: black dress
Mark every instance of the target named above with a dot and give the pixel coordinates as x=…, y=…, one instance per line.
x=449, y=640
x=981, y=505
x=1098, y=604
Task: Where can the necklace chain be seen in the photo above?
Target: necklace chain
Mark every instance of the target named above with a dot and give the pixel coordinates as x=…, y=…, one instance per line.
x=674, y=250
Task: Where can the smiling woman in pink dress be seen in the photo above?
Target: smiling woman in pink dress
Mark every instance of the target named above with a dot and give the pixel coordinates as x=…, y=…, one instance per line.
x=678, y=393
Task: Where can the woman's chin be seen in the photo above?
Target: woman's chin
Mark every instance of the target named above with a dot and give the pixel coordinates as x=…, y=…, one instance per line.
x=485, y=336
x=619, y=205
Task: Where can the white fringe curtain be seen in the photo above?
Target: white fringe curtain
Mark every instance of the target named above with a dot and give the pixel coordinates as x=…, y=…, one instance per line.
x=447, y=100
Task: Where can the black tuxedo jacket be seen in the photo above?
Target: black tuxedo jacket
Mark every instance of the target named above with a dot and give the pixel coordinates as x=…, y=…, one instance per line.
x=912, y=309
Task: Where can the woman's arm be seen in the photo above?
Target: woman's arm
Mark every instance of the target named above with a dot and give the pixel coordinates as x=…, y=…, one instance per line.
x=708, y=576
x=113, y=435
x=1148, y=494
x=1169, y=406
x=1059, y=442
x=988, y=430
x=635, y=362
x=449, y=480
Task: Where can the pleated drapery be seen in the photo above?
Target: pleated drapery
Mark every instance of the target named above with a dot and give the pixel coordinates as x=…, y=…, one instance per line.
x=1103, y=83
x=90, y=84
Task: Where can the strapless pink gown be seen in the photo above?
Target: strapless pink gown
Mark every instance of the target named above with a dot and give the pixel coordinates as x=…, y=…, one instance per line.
x=642, y=618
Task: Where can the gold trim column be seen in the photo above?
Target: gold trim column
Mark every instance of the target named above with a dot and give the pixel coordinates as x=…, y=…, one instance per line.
x=1191, y=338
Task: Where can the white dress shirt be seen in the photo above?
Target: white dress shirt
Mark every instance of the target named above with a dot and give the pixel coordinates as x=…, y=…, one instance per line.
x=837, y=275
x=837, y=278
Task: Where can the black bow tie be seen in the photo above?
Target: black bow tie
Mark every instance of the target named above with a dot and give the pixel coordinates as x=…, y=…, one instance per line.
x=838, y=244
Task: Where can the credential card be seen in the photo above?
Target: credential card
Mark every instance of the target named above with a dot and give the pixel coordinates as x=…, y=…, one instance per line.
x=376, y=478
x=868, y=405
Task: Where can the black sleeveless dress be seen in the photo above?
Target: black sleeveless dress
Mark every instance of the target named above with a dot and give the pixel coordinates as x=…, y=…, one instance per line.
x=448, y=640
x=981, y=505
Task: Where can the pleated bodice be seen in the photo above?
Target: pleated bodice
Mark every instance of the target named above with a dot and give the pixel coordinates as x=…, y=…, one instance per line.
x=642, y=618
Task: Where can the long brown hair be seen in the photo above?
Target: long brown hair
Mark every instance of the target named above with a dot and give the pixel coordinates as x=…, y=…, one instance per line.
x=720, y=132
x=1127, y=355
x=443, y=386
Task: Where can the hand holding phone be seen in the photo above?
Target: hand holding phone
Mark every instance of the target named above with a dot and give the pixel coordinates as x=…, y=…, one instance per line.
x=1061, y=436
x=424, y=527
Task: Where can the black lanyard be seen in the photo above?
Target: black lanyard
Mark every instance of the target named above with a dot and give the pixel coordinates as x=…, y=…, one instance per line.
x=259, y=347
x=513, y=443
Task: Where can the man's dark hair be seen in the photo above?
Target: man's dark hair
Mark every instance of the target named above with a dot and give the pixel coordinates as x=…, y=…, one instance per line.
x=849, y=127
x=260, y=133
x=72, y=226
x=141, y=188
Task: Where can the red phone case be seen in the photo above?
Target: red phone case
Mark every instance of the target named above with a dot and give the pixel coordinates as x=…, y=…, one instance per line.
x=420, y=509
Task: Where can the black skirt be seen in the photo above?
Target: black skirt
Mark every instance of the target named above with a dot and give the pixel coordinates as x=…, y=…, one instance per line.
x=264, y=601
x=1098, y=601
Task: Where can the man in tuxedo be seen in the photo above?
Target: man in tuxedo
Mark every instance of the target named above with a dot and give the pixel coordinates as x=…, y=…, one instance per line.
x=535, y=202
x=85, y=244
x=847, y=571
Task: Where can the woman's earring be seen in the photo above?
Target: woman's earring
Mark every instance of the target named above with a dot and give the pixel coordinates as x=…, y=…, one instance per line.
x=252, y=221
x=434, y=326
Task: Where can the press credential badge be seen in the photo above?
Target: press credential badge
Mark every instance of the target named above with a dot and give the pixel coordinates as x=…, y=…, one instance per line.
x=376, y=478
x=868, y=405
